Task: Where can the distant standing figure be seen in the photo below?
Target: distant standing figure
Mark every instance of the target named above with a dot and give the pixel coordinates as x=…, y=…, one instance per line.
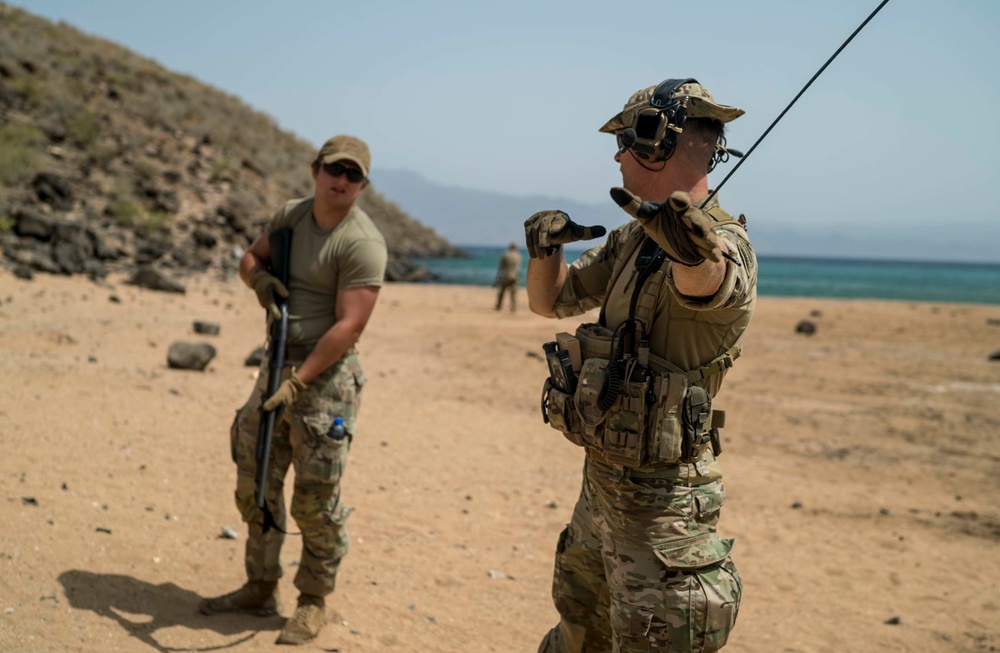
x=507, y=276
x=337, y=265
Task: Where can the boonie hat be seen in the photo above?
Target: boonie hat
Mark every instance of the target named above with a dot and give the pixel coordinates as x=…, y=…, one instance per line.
x=346, y=148
x=697, y=98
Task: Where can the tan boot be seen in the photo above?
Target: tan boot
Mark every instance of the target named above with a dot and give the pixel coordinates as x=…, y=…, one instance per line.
x=305, y=624
x=257, y=597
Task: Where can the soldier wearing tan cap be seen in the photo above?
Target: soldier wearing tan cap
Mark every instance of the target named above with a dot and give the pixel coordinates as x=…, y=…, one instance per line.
x=640, y=566
x=337, y=265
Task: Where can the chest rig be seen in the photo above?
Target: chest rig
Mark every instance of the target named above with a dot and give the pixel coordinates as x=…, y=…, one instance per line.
x=626, y=404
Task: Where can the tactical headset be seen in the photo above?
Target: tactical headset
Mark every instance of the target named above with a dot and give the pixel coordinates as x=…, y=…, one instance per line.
x=654, y=131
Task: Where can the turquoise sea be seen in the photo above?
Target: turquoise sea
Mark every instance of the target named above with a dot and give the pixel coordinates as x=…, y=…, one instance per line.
x=798, y=277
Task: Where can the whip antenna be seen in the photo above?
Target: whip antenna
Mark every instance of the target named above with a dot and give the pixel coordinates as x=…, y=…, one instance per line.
x=794, y=100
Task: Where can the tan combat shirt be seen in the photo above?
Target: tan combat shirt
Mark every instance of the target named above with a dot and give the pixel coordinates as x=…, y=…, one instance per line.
x=324, y=261
x=688, y=332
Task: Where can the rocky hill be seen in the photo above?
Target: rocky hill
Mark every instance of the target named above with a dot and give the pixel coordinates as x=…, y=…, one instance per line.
x=109, y=162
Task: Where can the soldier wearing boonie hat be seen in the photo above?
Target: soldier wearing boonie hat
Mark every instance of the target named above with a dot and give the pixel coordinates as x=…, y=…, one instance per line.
x=337, y=265
x=640, y=566
x=699, y=101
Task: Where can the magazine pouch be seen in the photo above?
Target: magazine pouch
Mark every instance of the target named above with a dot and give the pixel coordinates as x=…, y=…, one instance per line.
x=560, y=412
x=666, y=441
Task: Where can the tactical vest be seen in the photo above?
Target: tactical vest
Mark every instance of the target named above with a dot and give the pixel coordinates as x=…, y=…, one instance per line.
x=629, y=406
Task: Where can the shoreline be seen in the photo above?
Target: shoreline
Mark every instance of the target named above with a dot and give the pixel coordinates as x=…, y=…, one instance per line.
x=861, y=465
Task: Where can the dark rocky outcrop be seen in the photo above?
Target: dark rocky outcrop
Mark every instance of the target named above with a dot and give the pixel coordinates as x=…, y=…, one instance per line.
x=109, y=162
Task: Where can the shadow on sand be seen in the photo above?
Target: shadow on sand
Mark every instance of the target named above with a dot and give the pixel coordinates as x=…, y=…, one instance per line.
x=126, y=600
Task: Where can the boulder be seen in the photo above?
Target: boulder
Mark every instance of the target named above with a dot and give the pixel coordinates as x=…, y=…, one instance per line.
x=152, y=278
x=190, y=355
x=805, y=327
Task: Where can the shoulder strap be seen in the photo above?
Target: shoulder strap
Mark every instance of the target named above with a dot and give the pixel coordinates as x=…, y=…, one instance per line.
x=715, y=366
x=628, y=247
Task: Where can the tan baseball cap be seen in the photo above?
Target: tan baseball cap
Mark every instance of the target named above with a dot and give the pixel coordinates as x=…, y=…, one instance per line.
x=346, y=148
x=697, y=98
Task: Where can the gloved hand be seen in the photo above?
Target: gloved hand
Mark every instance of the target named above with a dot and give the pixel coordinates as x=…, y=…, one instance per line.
x=266, y=285
x=546, y=231
x=286, y=394
x=682, y=230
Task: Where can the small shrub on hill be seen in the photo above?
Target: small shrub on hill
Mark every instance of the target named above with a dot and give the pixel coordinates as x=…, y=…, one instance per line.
x=19, y=153
x=84, y=128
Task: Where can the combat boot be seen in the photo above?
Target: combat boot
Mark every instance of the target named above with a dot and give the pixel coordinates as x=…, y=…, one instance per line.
x=257, y=597
x=305, y=624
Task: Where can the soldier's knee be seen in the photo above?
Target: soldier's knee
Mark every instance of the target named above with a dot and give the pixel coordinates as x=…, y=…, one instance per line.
x=564, y=638
x=246, y=500
x=578, y=580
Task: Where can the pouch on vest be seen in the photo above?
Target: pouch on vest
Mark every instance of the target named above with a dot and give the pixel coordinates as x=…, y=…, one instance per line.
x=595, y=341
x=560, y=412
x=625, y=429
x=667, y=431
x=696, y=411
x=589, y=385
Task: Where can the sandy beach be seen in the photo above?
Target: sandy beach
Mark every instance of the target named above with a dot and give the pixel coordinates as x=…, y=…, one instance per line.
x=862, y=467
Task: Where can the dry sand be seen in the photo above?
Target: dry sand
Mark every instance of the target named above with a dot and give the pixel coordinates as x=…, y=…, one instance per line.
x=862, y=465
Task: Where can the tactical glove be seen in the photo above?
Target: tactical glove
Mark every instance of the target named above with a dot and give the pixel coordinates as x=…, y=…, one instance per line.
x=682, y=230
x=546, y=231
x=286, y=394
x=266, y=285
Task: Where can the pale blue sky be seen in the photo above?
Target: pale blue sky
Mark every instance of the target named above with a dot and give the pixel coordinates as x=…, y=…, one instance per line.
x=508, y=96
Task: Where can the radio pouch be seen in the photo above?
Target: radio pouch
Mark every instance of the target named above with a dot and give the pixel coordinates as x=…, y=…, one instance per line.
x=589, y=385
x=625, y=430
x=665, y=441
x=697, y=409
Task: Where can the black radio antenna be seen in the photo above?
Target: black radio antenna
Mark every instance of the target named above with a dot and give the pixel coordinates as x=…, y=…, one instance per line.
x=794, y=100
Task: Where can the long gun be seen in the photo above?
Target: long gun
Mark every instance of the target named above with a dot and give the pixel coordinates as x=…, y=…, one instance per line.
x=281, y=253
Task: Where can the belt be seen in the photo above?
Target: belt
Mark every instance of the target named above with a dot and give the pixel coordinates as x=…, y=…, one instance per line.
x=687, y=474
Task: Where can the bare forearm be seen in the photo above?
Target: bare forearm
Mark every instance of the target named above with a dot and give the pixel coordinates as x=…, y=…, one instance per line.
x=248, y=264
x=545, y=281
x=330, y=347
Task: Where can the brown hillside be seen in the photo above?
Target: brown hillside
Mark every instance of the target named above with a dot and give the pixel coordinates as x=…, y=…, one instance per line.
x=108, y=161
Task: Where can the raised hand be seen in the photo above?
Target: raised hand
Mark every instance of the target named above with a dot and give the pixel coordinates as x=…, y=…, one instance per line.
x=546, y=231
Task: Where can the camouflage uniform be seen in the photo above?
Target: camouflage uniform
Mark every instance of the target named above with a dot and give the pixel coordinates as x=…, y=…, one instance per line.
x=323, y=262
x=640, y=566
x=507, y=274
x=300, y=440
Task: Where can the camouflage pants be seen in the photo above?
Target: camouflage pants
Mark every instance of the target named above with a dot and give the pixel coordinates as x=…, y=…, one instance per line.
x=641, y=568
x=508, y=285
x=300, y=439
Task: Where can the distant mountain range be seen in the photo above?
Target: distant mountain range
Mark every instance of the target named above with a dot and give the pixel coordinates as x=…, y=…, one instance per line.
x=476, y=217
x=471, y=217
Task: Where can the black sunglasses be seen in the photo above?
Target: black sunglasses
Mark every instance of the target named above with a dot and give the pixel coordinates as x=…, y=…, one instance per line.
x=336, y=169
x=622, y=148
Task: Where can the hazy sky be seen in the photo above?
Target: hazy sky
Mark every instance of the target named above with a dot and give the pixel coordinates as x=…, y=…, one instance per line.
x=507, y=96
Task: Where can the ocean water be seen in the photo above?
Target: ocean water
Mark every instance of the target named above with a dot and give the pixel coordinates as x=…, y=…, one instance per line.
x=969, y=283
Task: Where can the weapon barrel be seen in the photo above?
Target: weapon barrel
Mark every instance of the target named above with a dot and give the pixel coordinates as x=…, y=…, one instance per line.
x=281, y=248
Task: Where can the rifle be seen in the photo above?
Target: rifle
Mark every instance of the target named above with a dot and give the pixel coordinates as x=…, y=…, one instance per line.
x=281, y=253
